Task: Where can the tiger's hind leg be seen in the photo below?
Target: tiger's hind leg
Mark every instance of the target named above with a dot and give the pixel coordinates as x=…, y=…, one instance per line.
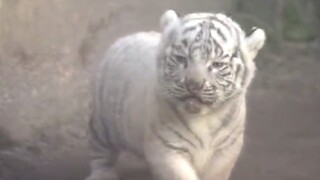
x=103, y=155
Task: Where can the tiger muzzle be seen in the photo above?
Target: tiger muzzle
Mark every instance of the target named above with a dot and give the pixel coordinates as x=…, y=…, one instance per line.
x=194, y=85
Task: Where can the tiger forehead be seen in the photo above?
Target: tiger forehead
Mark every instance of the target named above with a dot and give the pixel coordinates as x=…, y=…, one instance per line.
x=213, y=22
x=209, y=37
x=200, y=17
x=194, y=16
x=220, y=21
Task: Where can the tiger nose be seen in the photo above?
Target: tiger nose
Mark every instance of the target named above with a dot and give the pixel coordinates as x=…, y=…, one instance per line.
x=194, y=85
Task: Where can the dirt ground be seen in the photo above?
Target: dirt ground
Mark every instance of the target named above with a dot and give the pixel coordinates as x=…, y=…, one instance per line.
x=48, y=51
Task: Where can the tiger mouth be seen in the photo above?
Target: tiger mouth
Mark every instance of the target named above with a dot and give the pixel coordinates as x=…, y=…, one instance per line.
x=194, y=104
x=194, y=98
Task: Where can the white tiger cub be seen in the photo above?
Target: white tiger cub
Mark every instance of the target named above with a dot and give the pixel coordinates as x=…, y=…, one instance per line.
x=176, y=98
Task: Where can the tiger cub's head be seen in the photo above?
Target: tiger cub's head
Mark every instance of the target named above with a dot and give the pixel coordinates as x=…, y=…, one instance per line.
x=205, y=60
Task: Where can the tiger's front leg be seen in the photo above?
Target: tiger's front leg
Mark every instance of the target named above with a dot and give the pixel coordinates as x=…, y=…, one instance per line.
x=171, y=167
x=168, y=164
x=222, y=166
x=101, y=170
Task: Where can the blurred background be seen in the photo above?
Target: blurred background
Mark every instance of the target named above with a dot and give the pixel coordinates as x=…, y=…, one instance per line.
x=48, y=53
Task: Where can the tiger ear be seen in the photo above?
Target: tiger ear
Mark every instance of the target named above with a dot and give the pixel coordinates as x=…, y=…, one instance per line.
x=169, y=22
x=255, y=41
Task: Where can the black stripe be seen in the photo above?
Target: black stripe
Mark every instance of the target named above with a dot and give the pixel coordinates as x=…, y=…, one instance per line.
x=185, y=124
x=177, y=50
x=104, y=141
x=178, y=90
x=231, y=115
x=245, y=73
x=96, y=137
x=227, y=26
x=170, y=146
x=229, y=83
x=171, y=67
x=119, y=105
x=172, y=62
x=193, y=49
x=225, y=120
x=225, y=84
x=189, y=29
x=189, y=129
x=185, y=42
x=234, y=140
x=225, y=139
x=252, y=31
x=237, y=127
x=224, y=38
x=238, y=68
x=238, y=52
x=199, y=36
x=208, y=48
x=225, y=73
x=110, y=152
x=180, y=136
x=217, y=46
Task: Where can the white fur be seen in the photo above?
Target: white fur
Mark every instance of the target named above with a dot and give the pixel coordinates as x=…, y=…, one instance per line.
x=255, y=42
x=129, y=104
x=169, y=23
x=169, y=18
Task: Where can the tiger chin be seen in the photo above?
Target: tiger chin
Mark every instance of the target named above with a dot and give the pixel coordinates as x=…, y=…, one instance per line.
x=176, y=98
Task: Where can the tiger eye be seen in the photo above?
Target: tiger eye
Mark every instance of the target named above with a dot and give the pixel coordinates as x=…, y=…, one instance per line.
x=216, y=65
